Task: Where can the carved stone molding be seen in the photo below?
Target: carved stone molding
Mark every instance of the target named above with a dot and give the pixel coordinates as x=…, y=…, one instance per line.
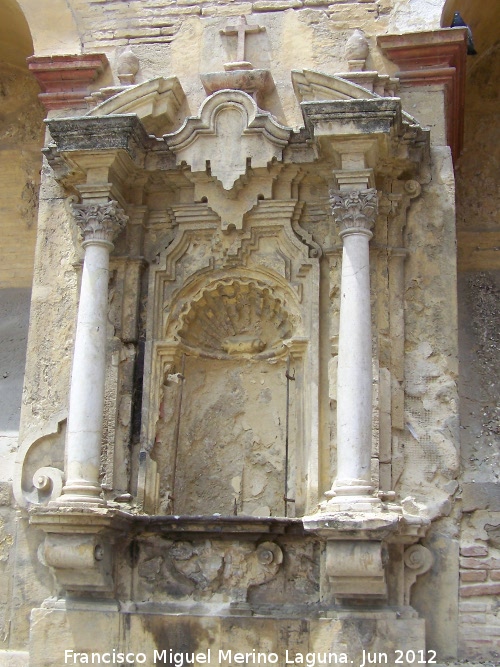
x=80, y=562
x=230, y=133
x=79, y=547
x=210, y=569
x=99, y=222
x=310, y=85
x=354, y=210
x=156, y=102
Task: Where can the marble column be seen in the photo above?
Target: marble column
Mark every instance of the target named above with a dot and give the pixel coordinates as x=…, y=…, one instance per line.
x=99, y=224
x=355, y=212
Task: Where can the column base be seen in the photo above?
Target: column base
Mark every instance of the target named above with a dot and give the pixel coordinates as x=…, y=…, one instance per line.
x=80, y=494
x=343, y=503
x=346, y=494
x=351, y=487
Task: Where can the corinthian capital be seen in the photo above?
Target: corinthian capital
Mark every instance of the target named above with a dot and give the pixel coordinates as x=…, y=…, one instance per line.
x=99, y=222
x=355, y=209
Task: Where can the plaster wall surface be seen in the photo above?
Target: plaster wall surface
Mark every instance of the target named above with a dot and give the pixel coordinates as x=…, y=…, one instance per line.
x=20, y=143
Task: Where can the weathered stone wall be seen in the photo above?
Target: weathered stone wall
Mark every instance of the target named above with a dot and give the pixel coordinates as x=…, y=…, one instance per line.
x=478, y=230
x=108, y=23
x=21, y=134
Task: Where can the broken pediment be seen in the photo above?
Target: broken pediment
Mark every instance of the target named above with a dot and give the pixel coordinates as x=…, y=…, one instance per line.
x=310, y=85
x=156, y=102
x=313, y=86
x=230, y=135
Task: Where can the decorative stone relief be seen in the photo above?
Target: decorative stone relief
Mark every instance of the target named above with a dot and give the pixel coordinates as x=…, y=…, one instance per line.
x=212, y=570
x=355, y=209
x=38, y=472
x=99, y=222
x=228, y=136
x=235, y=317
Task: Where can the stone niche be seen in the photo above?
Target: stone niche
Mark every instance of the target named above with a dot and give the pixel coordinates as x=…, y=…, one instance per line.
x=222, y=315
x=227, y=417
x=231, y=349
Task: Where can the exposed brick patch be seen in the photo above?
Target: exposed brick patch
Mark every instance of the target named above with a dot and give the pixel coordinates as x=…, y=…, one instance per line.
x=474, y=575
x=468, y=606
x=473, y=619
x=476, y=550
x=480, y=564
x=480, y=589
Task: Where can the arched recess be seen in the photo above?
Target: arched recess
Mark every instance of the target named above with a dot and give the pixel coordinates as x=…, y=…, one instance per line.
x=222, y=440
x=21, y=140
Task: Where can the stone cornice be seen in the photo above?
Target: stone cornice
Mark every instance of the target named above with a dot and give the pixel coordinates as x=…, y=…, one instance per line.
x=437, y=57
x=87, y=133
x=65, y=79
x=356, y=117
x=376, y=127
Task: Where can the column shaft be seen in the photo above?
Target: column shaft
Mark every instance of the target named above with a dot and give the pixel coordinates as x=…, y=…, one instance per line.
x=355, y=212
x=99, y=224
x=83, y=445
x=354, y=394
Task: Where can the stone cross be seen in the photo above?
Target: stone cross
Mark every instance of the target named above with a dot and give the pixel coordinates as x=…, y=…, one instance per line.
x=241, y=29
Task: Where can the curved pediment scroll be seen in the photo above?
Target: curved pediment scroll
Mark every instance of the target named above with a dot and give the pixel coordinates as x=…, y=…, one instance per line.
x=156, y=102
x=230, y=135
x=312, y=86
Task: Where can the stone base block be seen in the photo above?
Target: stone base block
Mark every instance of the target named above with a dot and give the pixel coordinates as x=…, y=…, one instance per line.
x=89, y=635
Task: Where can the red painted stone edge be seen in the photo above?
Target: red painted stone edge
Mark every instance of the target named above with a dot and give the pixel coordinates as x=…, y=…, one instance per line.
x=65, y=79
x=435, y=57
